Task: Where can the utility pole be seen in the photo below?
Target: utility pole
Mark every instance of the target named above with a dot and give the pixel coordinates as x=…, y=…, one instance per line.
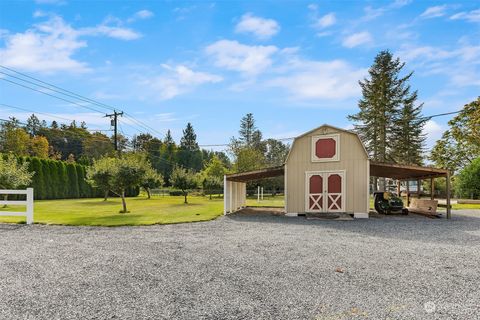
x=114, y=123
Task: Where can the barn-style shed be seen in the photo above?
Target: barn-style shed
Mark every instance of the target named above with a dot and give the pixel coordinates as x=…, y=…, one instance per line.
x=327, y=170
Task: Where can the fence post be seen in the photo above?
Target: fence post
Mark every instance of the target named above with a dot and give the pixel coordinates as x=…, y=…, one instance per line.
x=29, y=205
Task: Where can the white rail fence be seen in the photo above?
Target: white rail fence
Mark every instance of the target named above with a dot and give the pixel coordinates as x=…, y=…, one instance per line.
x=28, y=203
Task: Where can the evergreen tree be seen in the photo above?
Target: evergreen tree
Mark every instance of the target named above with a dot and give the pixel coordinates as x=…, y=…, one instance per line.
x=247, y=130
x=63, y=179
x=72, y=181
x=48, y=187
x=408, y=138
x=33, y=125
x=38, y=183
x=168, y=138
x=384, y=93
x=53, y=180
x=189, y=155
x=189, y=139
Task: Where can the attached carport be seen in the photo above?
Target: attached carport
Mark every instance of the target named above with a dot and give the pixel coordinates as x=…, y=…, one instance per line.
x=235, y=186
x=408, y=173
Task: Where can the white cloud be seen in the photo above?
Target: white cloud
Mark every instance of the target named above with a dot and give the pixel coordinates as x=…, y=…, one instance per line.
x=326, y=21
x=372, y=13
x=178, y=80
x=50, y=46
x=249, y=60
x=141, y=15
x=357, y=39
x=49, y=1
x=460, y=64
x=330, y=80
x=471, y=16
x=120, y=33
x=262, y=28
x=434, y=131
x=434, y=12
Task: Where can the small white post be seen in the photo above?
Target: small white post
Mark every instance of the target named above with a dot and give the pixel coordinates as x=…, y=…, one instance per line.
x=262, y=193
x=29, y=205
x=258, y=194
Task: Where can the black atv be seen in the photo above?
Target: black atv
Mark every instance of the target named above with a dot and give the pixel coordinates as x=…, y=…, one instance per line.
x=388, y=203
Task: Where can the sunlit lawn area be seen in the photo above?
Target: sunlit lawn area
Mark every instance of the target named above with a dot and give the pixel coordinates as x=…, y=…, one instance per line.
x=277, y=201
x=96, y=212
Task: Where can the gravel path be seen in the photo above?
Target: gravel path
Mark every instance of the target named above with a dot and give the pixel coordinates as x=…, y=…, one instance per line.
x=245, y=267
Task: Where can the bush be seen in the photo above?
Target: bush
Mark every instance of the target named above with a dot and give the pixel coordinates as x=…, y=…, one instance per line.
x=176, y=193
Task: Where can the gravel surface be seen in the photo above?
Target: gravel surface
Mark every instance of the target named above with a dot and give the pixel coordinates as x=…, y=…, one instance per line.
x=245, y=267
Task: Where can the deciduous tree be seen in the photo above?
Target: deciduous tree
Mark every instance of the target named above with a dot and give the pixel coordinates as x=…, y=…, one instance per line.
x=184, y=180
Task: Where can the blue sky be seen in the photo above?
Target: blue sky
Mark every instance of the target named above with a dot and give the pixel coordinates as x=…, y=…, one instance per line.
x=294, y=64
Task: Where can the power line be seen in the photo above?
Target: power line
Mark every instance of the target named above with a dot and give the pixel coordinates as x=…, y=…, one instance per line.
x=28, y=110
x=441, y=114
x=71, y=94
x=77, y=96
x=51, y=95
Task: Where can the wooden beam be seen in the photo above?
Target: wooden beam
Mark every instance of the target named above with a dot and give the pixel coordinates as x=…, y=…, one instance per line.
x=449, y=210
x=398, y=187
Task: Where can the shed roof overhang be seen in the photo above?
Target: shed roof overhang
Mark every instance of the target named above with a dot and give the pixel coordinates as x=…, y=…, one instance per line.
x=404, y=172
x=257, y=174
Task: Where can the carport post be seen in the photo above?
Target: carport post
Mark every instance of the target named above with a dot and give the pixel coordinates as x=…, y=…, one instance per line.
x=408, y=193
x=449, y=213
x=225, y=194
x=432, y=188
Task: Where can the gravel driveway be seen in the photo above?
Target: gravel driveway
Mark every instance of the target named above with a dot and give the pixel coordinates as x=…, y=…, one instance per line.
x=245, y=267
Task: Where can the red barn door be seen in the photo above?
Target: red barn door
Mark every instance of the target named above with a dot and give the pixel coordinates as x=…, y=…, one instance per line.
x=325, y=192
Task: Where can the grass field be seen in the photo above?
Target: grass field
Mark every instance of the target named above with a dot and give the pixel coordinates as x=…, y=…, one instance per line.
x=96, y=212
x=277, y=201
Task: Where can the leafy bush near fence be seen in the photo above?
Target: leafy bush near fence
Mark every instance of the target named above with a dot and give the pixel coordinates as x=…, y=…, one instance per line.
x=54, y=179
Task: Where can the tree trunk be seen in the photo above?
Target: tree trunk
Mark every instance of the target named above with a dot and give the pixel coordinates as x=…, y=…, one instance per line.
x=105, y=196
x=185, y=195
x=124, y=203
x=5, y=197
x=148, y=192
x=210, y=196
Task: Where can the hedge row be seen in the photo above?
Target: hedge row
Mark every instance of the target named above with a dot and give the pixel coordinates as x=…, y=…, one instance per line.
x=62, y=180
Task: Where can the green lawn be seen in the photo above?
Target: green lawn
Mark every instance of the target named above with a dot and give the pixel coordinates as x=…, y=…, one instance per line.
x=277, y=201
x=96, y=212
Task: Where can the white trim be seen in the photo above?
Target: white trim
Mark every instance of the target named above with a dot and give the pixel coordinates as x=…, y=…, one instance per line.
x=368, y=185
x=314, y=139
x=328, y=126
x=224, y=195
x=325, y=174
x=285, y=194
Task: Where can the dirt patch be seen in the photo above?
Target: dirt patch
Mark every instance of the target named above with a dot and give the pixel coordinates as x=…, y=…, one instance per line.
x=270, y=211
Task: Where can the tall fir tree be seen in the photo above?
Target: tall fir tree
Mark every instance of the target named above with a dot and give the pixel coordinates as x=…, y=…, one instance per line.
x=408, y=139
x=189, y=155
x=189, y=139
x=384, y=92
